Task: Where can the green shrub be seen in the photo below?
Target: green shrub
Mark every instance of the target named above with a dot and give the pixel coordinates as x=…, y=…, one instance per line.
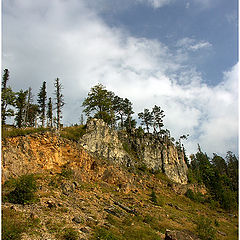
x=24, y=192
x=66, y=172
x=153, y=197
x=195, y=196
x=204, y=229
x=70, y=234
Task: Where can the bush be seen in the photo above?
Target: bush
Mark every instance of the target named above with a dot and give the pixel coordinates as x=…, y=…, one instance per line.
x=66, y=172
x=70, y=234
x=24, y=192
x=197, y=197
x=204, y=229
x=156, y=200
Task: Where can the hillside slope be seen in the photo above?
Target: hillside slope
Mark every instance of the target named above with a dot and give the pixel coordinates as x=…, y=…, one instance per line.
x=83, y=195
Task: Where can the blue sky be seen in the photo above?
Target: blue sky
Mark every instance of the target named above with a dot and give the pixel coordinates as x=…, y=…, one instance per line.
x=178, y=54
x=215, y=22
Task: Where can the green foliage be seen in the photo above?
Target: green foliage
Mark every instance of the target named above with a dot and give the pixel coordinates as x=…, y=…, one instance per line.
x=70, y=234
x=204, y=229
x=157, y=200
x=59, y=100
x=219, y=177
x=20, y=105
x=24, y=191
x=7, y=98
x=73, y=133
x=99, y=103
x=42, y=97
x=66, y=172
x=195, y=196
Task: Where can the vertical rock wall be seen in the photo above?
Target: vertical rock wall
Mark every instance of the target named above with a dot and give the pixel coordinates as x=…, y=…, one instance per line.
x=105, y=142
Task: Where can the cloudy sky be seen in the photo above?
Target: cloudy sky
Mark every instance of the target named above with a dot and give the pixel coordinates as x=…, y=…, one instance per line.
x=179, y=54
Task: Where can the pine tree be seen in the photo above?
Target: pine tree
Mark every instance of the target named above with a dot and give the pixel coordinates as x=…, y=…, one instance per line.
x=8, y=98
x=42, y=97
x=157, y=118
x=147, y=118
x=128, y=111
x=59, y=101
x=21, y=106
x=50, y=113
x=28, y=104
x=32, y=115
x=99, y=103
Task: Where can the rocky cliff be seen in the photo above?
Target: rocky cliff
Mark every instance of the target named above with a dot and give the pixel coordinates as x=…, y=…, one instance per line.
x=37, y=152
x=134, y=151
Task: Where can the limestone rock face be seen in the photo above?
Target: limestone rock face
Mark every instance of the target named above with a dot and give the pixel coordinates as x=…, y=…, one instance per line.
x=153, y=153
x=104, y=142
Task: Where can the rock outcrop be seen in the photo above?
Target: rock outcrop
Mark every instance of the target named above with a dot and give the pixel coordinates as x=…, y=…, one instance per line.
x=132, y=151
x=36, y=152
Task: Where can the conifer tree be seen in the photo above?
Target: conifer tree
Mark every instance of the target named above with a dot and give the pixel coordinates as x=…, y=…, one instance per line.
x=42, y=97
x=147, y=118
x=21, y=106
x=59, y=101
x=7, y=98
x=99, y=103
x=158, y=116
x=28, y=104
x=50, y=113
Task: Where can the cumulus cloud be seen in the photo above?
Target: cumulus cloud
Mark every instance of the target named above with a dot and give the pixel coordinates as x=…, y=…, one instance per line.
x=67, y=39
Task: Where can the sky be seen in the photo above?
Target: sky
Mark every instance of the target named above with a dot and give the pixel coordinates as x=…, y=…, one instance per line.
x=181, y=55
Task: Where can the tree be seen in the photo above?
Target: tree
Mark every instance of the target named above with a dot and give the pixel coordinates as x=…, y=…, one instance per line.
x=20, y=105
x=8, y=98
x=42, y=97
x=232, y=169
x=33, y=111
x=99, y=103
x=50, y=112
x=59, y=101
x=128, y=111
x=158, y=116
x=28, y=105
x=147, y=118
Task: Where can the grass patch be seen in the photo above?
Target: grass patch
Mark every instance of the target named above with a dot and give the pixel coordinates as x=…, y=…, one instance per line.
x=204, y=229
x=104, y=234
x=70, y=234
x=14, y=224
x=73, y=133
x=22, y=132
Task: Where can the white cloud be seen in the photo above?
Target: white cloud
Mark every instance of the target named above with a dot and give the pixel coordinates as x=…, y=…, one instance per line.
x=157, y=3
x=66, y=39
x=192, y=44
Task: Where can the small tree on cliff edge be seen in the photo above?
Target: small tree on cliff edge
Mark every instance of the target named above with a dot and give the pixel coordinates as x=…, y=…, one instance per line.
x=42, y=97
x=100, y=103
x=8, y=98
x=59, y=100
